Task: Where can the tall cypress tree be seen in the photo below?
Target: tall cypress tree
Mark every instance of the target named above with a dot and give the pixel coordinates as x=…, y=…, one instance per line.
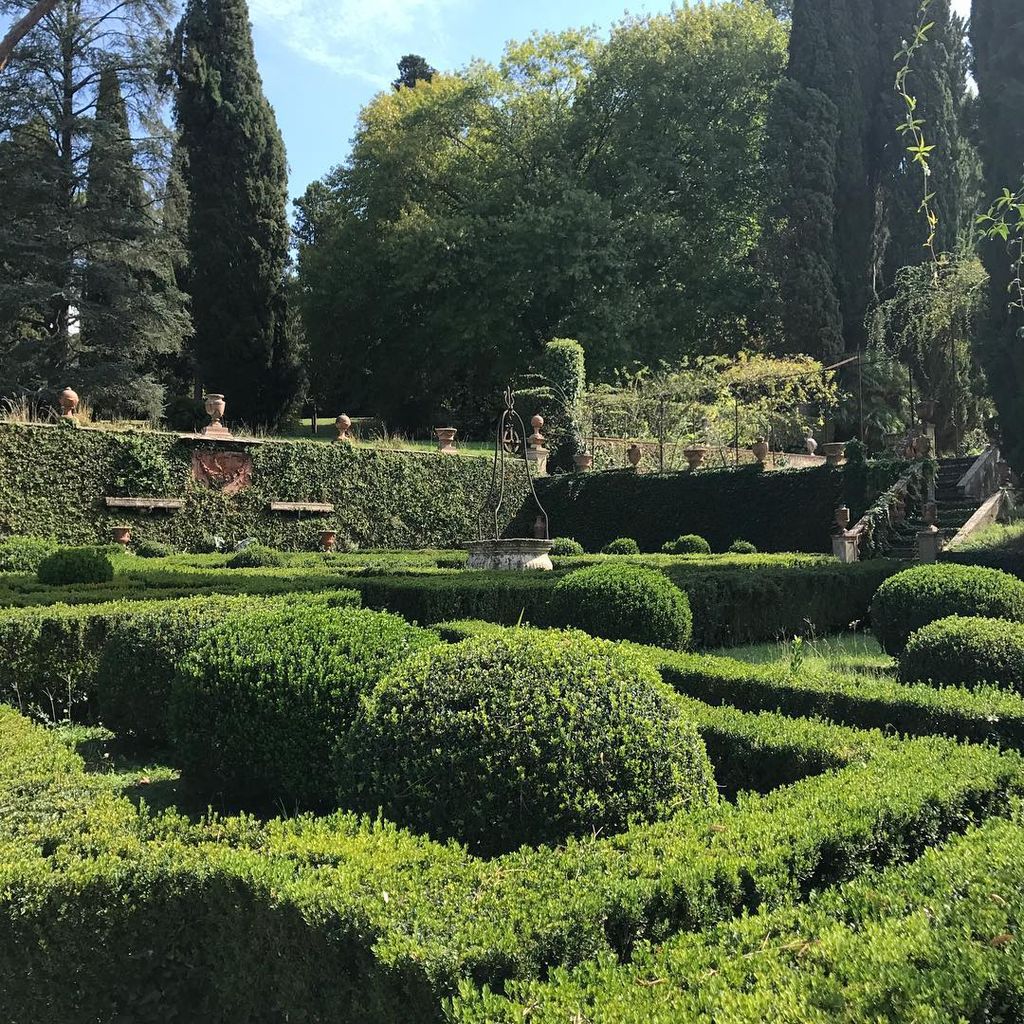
x=997, y=35
x=237, y=178
x=844, y=49
x=130, y=311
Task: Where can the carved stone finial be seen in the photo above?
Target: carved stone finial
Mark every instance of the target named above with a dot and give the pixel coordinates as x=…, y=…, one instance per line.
x=344, y=426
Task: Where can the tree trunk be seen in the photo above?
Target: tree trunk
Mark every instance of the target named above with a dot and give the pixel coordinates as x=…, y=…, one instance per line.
x=22, y=27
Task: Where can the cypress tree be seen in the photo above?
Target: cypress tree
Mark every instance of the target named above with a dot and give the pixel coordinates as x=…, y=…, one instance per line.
x=236, y=176
x=997, y=35
x=845, y=49
x=130, y=312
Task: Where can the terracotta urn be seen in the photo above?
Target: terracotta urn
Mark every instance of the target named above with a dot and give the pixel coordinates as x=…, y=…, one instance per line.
x=121, y=535
x=760, y=450
x=584, y=462
x=328, y=540
x=635, y=455
x=215, y=406
x=446, y=439
x=540, y=528
x=834, y=452
x=695, y=456
x=843, y=518
x=344, y=426
x=69, y=400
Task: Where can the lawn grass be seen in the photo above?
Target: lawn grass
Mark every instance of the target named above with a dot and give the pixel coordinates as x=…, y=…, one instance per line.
x=844, y=652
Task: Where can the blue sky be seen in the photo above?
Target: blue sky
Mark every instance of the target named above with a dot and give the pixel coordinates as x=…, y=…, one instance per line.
x=322, y=60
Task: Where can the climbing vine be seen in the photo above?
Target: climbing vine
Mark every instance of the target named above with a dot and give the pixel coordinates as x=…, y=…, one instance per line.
x=1004, y=221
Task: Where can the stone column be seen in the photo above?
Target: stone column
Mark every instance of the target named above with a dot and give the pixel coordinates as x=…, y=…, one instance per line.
x=929, y=545
x=846, y=546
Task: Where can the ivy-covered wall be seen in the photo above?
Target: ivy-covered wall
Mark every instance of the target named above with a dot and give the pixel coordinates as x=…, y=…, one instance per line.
x=53, y=481
x=790, y=510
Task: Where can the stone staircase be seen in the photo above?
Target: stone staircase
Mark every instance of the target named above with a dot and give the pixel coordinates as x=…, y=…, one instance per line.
x=953, y=510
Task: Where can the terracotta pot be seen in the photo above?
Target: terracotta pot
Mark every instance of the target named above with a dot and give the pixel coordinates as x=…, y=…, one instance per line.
x=843, y=518
x=695, y=456
x=760, y=450
x=328, y=540
x=68, y=402
x=344, y=425
x=635, y=455
x=446, y=439
x=584, y=462
x=121, y=535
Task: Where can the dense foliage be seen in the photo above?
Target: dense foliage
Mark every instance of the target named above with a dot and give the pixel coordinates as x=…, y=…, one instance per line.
x=966, y=651
x=624, y=602
x=621, y=546
x=236, y=176
x=53, y=483
x=997, y=38
x=23, y=554
x=256, y=556
x=262, y=699
x=87, y=295
x=75, y=565
x=915, y=597
x=566, y=546
x=604, y=191
x=687, y=544
x=525, y=738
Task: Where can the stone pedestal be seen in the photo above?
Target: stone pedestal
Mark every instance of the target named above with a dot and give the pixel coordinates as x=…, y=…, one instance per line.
x=846, y=547
x=446, y=440
x=929, y=545
x=538, y=460
x=513, y=555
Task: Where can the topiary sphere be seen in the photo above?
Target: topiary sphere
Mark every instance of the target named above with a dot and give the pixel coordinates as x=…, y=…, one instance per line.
x=688, y=544
x=622, y=546
x=913, y=598
x=742, y=547
x=620, y=601
x=966, y=651
x=527, y=737
x=264, y=694
x=256, y=556
x=75, y=565
x=155, y=549
x=566, y=547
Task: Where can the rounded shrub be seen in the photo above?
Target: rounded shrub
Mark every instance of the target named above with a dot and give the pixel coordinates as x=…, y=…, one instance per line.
x=260, y=701
x=742, y=547
x=688, y=544
x=622, y=546
x=624, y=602
x=525, y=737
x=913, y=598
x=24, y=554
x=155, y=549
x=256, y=556
x=966, y=651
x=75, y=565
x=566, y=547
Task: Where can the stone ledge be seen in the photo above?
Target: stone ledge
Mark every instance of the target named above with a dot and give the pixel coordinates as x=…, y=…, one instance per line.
x=146, y=504
x=301, y=506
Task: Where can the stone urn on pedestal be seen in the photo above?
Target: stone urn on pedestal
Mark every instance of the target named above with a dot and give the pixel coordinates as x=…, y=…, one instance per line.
x=328, y=540
x=446, y=440
x=69, y=401
x=843, y=518
x=584, y=462
x=695, y=456
x=121, y=535
x=536, y=452
x=760, y=450
x=215, y=406
x=635, y=454
x=343, y=424
x=834, y=452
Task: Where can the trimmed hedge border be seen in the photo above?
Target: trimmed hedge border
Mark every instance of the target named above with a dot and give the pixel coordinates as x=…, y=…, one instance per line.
x=112, y=911
x=938, y=940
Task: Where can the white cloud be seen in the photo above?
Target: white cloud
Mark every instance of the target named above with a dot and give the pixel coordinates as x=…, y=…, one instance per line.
x=362, y=38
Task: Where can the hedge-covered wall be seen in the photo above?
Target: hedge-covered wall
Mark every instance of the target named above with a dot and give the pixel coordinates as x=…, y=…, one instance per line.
x=53, y=482
x=790, y=510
